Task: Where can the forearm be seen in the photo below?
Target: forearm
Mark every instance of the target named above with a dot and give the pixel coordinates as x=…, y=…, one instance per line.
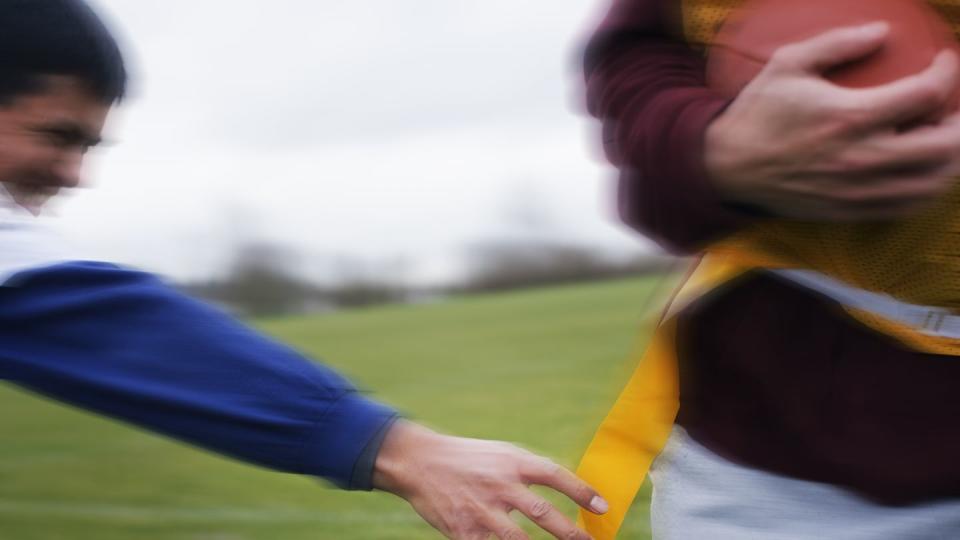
x=648, y=90
x=123, y=344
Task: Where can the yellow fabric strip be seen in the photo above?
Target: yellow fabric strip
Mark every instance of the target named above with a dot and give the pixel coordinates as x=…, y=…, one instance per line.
x=632, y=436
x=636, y=429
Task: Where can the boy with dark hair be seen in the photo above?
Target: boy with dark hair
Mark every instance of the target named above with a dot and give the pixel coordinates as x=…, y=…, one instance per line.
x=62, y=38
x=122, y=343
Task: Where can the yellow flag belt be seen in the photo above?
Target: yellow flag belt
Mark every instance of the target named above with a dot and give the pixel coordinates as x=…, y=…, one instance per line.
x=637, y=427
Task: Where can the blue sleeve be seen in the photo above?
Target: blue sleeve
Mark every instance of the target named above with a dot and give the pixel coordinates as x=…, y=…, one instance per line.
x=124, y=344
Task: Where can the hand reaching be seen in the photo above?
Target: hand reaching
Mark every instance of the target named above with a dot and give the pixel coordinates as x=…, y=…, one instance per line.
x=466, y=488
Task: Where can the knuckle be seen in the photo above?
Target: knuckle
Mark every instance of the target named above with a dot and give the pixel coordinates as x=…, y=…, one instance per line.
x=488, y=481
x=546, y=468
x=471, y=513
x=584, y=493
x=853, y=162
x=845, y=111
x=949, y=147
x=784, y=58
x=928, y=93
x=513, y=534
x=850, y=113
x=574, y=534
x=937, y=151
x=851, y=165
x=461, y=524
x=835, y=170
x=551, y=467
x=556, y=473
x=458, y=531
x=540, y=509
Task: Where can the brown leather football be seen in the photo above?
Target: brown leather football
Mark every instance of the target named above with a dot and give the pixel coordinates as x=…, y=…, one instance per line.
x=750, y=35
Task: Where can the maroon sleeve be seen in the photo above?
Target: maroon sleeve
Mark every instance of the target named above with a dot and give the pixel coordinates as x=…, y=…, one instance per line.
x=647, y=86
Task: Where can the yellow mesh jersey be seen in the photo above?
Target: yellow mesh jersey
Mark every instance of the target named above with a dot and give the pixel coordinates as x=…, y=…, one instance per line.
x=702, y=18
x=916, y=260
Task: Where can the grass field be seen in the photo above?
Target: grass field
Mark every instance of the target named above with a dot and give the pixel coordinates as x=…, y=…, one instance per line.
x=538, y=368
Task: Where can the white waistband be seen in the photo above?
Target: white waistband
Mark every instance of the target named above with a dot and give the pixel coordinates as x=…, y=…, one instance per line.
x=929, y=320
x=698, y=494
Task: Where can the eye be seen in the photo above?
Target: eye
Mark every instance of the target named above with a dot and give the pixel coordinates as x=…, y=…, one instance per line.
x=59, y=139
x=68, y=140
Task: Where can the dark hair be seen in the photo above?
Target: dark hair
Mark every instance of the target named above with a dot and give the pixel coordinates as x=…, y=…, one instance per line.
x=57, y=37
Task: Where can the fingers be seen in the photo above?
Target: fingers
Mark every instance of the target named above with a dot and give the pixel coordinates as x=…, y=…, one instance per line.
x=881, y=198
x=832, y=48
x=802, y=147
x=501, y=526
x=926, y=147
x=548, y=518
x=888, y=211
x=897, y=102
x=911, y=97
x=544, y=472
x=888, y=152
x=816, y=210
x=473, y=485
x=889, y=195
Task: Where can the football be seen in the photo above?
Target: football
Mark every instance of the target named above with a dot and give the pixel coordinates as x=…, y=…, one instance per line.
x=750, y=35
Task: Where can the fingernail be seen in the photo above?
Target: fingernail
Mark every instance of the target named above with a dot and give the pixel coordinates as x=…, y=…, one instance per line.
x=946, y=53
x=598, y=505
x=875, y=28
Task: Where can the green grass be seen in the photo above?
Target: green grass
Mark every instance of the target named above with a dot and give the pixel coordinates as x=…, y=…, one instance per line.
x=538, y=368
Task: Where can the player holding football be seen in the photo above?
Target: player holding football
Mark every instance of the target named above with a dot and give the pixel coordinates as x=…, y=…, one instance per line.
x=122, y=343
x=785, y=396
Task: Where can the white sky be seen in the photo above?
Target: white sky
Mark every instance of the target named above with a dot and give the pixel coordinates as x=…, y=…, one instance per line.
x=375, y=130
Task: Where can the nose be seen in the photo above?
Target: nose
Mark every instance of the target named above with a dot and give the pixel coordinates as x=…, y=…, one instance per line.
x=67, y=169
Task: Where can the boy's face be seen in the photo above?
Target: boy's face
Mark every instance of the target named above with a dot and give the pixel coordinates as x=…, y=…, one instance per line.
x=43, y=138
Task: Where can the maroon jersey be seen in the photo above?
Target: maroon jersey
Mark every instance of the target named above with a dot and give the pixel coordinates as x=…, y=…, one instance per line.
x=772, y=375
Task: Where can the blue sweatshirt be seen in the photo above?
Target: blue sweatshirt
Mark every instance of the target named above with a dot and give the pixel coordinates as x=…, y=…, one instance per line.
x=124, y=344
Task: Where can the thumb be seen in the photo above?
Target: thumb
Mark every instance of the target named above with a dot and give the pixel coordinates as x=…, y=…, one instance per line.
x=833, y=47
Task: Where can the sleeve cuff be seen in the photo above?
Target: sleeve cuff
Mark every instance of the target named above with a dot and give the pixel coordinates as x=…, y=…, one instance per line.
x=342, y=436
x=362, y=478
x=686, y=149
x=683, y=209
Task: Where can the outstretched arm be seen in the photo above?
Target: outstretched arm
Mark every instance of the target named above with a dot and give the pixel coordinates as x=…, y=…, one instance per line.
x=123, y=344
x=647, y=87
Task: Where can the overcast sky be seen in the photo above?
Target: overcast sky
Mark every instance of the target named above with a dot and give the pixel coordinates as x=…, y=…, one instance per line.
x=371, y=129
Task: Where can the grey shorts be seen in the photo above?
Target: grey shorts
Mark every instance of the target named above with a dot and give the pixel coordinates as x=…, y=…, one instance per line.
x=700, y=496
